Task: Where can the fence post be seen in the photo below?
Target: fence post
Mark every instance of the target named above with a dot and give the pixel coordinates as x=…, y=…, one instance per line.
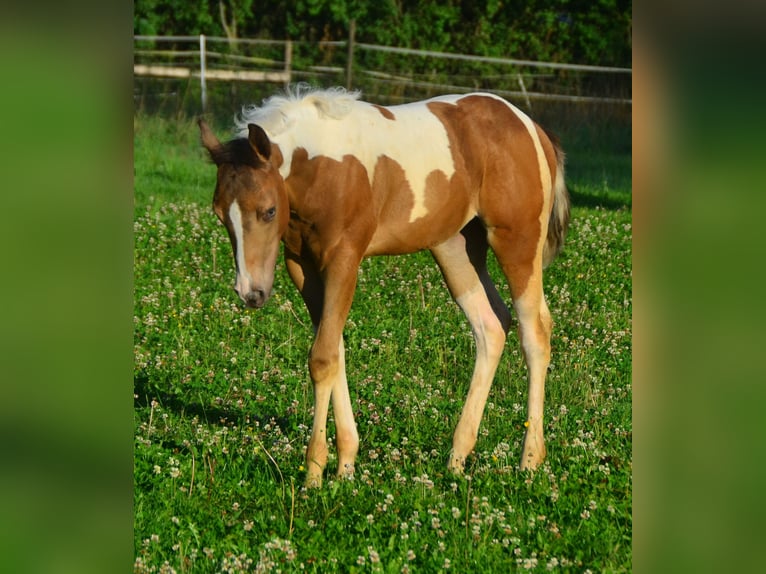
x=202, y=71
x=288, y=62
x=350, y=58
x=524, y=91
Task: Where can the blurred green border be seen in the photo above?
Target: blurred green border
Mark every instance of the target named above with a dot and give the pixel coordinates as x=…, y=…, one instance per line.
x=66, y=328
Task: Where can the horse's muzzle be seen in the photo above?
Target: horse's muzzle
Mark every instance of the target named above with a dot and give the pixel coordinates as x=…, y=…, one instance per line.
x=255, y=299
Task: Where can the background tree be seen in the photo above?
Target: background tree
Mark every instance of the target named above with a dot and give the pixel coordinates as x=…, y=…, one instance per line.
x=594, y=32
x=233, y=14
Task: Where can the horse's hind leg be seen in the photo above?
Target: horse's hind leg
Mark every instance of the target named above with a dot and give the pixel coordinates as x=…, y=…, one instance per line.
x=521, y=261
x=462, y=260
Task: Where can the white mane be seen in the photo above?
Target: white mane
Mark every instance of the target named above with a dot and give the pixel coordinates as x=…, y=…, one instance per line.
x=279, y=112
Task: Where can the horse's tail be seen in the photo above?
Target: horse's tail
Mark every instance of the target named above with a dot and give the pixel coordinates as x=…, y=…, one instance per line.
x=558, y=223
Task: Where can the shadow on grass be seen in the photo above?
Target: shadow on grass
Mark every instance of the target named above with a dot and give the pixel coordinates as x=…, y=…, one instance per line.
x=144, y=393
x=604, y=199
x=600, y=177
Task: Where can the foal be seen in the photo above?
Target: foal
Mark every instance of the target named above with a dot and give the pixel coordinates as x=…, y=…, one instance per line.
x=336, y=179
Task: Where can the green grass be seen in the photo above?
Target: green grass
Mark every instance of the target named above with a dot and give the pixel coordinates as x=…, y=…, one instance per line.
x=223, y=401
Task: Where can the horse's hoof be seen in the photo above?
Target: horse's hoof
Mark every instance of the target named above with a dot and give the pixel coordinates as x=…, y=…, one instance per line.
x=346, y=472
x=313, y=481
x=456, y=465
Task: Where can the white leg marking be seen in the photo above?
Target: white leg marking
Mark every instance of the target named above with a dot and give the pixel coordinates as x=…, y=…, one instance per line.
x=316, y=454
x=489, y=335
x=534, y=327
x=347, y=437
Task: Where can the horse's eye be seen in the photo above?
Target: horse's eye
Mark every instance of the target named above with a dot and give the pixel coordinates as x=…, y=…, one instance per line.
x=269, y=214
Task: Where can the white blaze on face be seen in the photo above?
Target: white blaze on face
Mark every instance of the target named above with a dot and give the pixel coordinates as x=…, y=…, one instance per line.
x=416, y=140
x=243, y=275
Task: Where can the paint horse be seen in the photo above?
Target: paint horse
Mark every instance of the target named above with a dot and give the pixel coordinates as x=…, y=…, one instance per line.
x=336, y=179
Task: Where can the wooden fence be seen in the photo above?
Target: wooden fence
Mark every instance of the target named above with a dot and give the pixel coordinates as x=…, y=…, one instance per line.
x=190, y=58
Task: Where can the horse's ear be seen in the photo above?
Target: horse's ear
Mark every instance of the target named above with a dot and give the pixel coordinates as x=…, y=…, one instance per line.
x=259, y=141
x=209, y=140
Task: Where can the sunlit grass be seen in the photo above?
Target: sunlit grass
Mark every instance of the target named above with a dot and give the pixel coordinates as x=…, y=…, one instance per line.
x=223, y=405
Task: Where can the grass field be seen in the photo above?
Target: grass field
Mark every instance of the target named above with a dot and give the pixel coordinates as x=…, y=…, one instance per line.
x=223, y=402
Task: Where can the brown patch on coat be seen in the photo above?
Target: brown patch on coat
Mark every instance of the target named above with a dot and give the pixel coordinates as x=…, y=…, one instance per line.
x=324, y=212
x=394, y=200
x=385, y=112
x=242, y=172
x=497, y=178
x=330, y=206
x=504, y=174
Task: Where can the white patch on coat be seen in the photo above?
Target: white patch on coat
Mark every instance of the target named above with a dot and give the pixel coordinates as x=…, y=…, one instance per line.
x=416, y=139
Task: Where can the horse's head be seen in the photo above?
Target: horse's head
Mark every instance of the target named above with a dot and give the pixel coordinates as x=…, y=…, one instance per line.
x=251, y=201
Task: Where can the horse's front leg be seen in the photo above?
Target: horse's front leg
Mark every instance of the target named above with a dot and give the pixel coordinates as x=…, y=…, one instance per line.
x=328, y=297
x=346, y=435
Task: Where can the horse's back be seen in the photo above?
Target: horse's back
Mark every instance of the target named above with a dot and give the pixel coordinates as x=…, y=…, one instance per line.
x=479, y=156
x=418, y=172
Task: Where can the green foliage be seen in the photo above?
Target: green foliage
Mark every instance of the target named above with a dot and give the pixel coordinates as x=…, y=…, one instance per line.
x=568, y=31
x=223, y=401
x=573, y=31
x=175, y=17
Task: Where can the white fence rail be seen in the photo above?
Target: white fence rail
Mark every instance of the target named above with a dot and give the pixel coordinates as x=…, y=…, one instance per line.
x=199, y=62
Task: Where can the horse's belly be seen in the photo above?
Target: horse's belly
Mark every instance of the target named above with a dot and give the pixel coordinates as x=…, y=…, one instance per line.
x=396, y=235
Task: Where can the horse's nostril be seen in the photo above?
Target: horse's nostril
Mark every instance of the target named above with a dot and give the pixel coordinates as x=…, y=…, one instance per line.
x=255, y=298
